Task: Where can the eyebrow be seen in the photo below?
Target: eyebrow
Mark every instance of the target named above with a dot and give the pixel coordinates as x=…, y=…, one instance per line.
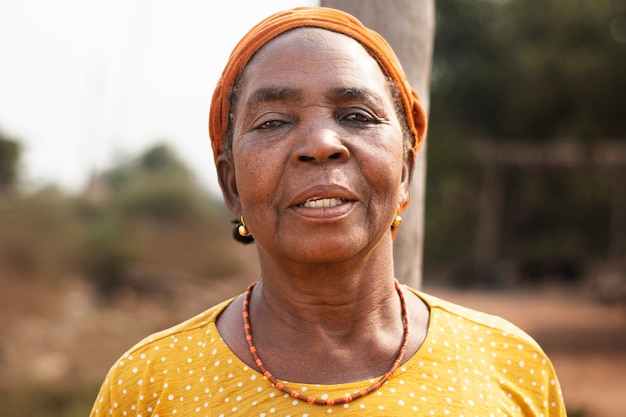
x=272, y=94
x=342, y=94
x=338, y=94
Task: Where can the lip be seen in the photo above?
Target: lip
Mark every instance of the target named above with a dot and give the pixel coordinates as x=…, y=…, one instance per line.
x=324, y=192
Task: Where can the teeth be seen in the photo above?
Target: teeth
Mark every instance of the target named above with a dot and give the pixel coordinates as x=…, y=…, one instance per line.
x=323, y=203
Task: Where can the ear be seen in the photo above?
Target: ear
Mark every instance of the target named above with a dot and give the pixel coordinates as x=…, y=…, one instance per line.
x=408, y=167
x=227, y=179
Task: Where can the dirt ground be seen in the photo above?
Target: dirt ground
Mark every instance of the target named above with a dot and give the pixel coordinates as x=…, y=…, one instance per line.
x=62, y=333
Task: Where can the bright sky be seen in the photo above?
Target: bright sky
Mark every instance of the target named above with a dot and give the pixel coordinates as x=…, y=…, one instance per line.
x=83, y=83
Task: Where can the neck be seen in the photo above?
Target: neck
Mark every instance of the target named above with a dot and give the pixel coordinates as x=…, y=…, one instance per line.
x=328, y=296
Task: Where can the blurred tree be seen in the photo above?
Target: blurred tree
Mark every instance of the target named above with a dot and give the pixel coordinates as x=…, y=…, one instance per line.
x=156, y=184
x=150, y=210
x=161, y=158
x=9, y=162
x=530, y=69
x=39, y=234
x=107, y=255
x=527, y=72
x=146, y=211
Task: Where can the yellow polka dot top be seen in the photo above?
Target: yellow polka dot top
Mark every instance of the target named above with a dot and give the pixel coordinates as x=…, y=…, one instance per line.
x=471, y=364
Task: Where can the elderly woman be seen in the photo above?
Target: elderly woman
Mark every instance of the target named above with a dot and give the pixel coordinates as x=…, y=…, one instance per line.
x=315, y=129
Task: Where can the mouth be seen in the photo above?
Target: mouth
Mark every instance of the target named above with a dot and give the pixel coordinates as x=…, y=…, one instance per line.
x=324, y=202
x=317, y=202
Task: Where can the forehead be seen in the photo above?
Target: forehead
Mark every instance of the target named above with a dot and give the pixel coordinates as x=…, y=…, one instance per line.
x=311, y=39
x=313, y=52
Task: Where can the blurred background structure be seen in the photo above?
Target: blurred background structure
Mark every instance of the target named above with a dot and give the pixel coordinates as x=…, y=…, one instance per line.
x=525, y=203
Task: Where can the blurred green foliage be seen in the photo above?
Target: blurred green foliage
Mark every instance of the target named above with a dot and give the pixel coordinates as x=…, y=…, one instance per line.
x=147, y=210
x=9, y=161
x=156, y=185
x=533, y=72
x=530, y=69
x=39, y=234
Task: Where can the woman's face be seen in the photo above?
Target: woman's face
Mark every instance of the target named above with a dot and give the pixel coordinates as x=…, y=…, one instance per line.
x=317, y=165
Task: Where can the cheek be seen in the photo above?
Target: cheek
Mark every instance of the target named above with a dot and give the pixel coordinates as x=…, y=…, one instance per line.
x=385, y=165
x=385, y=178
x=250, y=177
x=258, y=173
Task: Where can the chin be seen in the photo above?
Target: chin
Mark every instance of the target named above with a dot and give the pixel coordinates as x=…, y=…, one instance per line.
x=329, y=248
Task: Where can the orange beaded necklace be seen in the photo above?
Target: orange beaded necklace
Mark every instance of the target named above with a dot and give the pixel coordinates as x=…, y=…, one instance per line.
x=319, y=401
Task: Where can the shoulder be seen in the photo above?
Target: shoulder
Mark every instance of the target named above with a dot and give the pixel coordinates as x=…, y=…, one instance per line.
x=155, y=366
x=459, y=317
x=476, y=349
x=466, y=333
x=196, y=324
x=493, y=342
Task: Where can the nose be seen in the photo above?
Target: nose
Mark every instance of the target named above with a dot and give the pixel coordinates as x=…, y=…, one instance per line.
x=320, y=143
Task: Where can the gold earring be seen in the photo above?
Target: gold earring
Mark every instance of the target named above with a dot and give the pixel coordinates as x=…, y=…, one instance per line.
x=396, y=222
x=243, y=229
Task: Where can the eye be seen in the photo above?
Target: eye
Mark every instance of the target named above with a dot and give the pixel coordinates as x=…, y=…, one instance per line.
x=269, y=124
x=359, y=117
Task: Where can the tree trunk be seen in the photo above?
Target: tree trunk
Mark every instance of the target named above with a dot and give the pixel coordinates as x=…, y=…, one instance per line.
x=409, y=27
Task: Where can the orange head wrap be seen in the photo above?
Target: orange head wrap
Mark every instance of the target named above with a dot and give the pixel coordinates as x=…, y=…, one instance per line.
x=319, y=17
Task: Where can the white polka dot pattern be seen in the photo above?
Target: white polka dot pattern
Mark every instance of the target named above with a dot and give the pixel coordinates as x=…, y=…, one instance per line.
x=470, y=365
